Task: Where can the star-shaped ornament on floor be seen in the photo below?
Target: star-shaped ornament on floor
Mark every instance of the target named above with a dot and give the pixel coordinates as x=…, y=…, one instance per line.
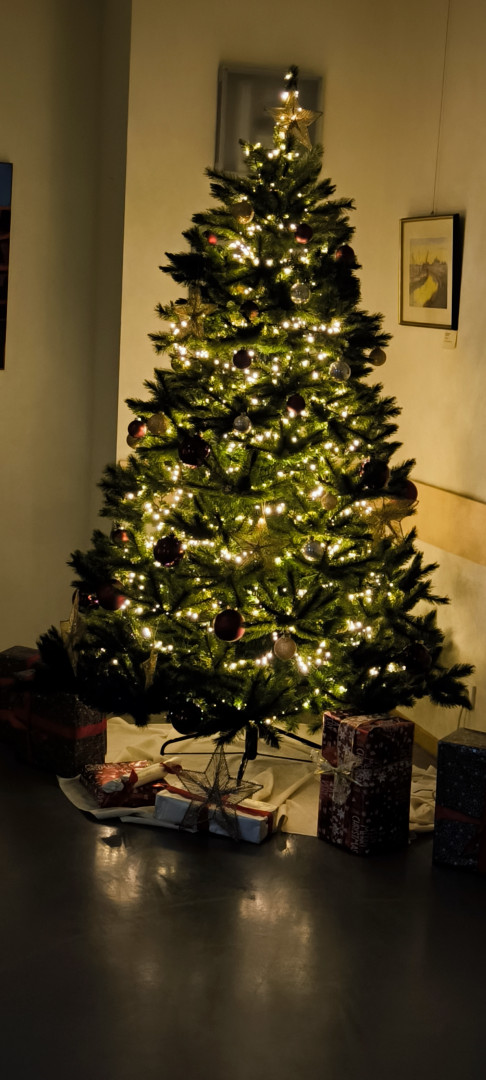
x=190, y=314
x=293, y=120
x=215, y=791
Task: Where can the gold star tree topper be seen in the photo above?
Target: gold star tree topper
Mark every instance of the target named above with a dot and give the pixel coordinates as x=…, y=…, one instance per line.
x=191, y=313
x=290, y=117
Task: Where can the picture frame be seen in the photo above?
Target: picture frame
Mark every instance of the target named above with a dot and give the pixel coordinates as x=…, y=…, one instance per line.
x=244, y=92
x=5, y=214
x=429, y=271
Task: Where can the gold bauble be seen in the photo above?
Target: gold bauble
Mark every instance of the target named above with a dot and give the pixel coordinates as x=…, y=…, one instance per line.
x=243, y=212
x=157, y=424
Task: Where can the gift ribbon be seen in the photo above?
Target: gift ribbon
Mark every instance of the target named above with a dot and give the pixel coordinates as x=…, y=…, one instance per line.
x=38, y=723
x=253, y=811
x=343, y=776
x=443, y=813
x=343, y=772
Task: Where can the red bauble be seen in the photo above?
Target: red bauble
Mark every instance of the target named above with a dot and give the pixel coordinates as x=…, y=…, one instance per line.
x=120, y=537
x=137, y=429
x=242, y=358
x=211, y=237
x=110, y=596
x=296, y=403
x=193, y=451
x=186, y=718
x=406, y=492
x=374, y=474
x=249, y=310
x=168, y=550
x=228, y=625
x=345, y=255
x=417, y=659
x=303, y=233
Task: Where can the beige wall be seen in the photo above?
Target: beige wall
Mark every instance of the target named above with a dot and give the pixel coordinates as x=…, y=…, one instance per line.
x=54, y=107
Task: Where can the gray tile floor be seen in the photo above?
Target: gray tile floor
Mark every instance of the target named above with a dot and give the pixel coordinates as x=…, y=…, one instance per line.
x=130, y=952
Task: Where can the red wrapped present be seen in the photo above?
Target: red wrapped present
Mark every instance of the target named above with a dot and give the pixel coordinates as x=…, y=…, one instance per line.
x=366, y=771
x=57, y=732
x=18, y=658
x=126, y=783
x=16, y=664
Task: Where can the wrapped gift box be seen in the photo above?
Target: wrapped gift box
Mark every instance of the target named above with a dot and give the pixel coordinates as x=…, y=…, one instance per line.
x=63, y=733
x=125, y=783
x=57, y=732
x=460, y=808
x=256, y=820
x=364, y=799
x=16, y=665
x=18, y=658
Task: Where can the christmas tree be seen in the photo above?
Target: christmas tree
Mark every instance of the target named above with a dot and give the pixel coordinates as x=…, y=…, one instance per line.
x=260, y=567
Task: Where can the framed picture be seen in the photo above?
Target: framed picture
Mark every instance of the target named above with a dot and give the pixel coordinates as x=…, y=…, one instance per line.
x=429, y=271
x=5, y=202
x=244, y=92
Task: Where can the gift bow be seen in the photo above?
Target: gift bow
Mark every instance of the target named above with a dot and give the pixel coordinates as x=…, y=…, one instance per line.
x=343, y=774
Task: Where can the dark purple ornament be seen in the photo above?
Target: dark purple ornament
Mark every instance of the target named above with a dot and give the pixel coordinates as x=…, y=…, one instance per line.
x=303, y=233
x=228, y=625
x=137, y=429
x=296, y=403
x=110, y=596
x=168, y=550
x=186, y=718
x=345, y=255
x=405, y=492
x=249, y=310
x=374, y=474
x=193, y=451
x=242, y=358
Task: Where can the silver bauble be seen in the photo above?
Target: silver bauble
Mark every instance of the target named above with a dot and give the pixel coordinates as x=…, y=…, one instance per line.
x=313, y=550
x=377, y=357
x=242, y=423
x=340, y=369
x=133, y=442
x=300, y=293
x=285, y=648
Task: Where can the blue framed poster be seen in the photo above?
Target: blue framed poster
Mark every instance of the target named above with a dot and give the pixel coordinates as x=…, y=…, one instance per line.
x=5, y=211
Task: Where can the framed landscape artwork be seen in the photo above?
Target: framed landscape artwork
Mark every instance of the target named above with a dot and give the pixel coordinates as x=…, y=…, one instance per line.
x=429, y=272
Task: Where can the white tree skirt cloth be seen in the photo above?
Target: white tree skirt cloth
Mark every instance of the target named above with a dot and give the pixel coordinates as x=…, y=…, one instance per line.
x=288, y=776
